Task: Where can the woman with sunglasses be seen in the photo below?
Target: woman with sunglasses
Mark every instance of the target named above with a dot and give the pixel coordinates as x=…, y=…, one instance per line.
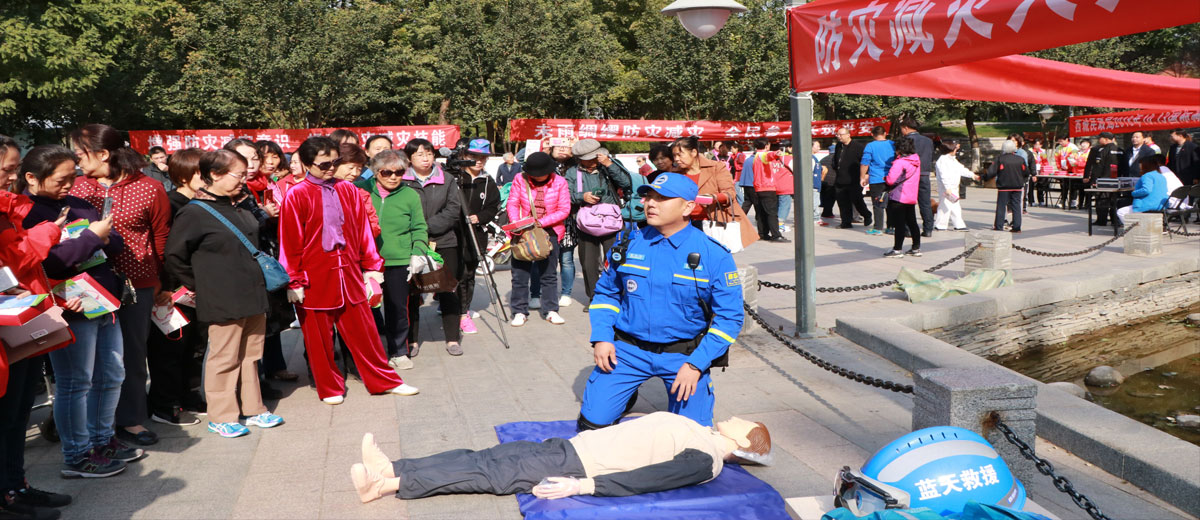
x=329, y=253
x=404, y=234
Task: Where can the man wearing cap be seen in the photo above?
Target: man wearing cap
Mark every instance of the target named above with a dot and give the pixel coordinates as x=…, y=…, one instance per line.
x=481, y=197
x=593, y=182
x=669, y=305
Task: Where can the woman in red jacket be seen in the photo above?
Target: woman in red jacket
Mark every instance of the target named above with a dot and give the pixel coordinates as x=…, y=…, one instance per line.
x=112, y=174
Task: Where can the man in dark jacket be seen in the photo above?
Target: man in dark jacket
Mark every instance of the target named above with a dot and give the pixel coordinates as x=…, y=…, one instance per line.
x=847, y=161
x=482, y=200
x=509, y=170
x=1101, y=162
x=1128, y=167
x=157, y=169
x=924, y=147
x=1010, y=171
x=1184, y=157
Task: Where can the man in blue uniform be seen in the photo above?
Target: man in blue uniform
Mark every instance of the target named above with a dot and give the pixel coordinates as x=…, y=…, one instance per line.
x=670, y=309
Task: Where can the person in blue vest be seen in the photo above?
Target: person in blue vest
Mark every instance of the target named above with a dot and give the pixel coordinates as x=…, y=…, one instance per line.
x=668, y=305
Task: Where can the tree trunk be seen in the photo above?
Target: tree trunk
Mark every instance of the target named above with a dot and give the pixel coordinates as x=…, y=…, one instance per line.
x=442, y=111
x=973, y=139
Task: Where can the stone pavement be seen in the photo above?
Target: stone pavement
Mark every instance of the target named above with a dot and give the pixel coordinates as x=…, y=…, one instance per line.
x=819, y=421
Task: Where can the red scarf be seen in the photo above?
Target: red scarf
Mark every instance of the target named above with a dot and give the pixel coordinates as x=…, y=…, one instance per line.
x=258, y=184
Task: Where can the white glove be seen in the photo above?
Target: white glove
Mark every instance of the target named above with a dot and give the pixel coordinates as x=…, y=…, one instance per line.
x=558, y=487
x=295, y=295
x=372, y=275
x=421, y=264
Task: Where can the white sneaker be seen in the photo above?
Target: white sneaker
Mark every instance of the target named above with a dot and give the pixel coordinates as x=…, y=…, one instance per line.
x=337, y=399
x=474, y=314
x=554, y=318
x=535, y=304
x=519, y=320
x=565, y=301
x=404, y=389
x=400, y=363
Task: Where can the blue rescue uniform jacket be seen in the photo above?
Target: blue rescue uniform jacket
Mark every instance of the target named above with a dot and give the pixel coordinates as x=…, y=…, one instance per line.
x=654, y=295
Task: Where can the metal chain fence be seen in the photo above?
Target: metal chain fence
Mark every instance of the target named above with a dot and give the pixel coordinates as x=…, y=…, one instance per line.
x=868, y=287
x=1183, y=233
x=841, y=371
x=1092, y=249
x=1044, y=467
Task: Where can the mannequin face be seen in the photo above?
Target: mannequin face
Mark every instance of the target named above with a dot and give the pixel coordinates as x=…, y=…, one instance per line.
x=736, y=429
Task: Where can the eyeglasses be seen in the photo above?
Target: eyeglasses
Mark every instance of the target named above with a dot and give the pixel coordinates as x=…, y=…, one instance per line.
x=236, y=176
x=328, y=165
x=389, y=173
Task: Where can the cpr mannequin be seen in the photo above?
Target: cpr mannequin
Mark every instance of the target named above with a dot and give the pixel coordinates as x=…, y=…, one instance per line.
x=657, y=452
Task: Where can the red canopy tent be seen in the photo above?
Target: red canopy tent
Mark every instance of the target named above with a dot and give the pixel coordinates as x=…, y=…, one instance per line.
x=1025, y=79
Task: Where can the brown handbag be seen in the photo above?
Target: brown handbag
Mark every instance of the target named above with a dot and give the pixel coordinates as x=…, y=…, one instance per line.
x=533, y=244
x=48, y=331
x=439, y=281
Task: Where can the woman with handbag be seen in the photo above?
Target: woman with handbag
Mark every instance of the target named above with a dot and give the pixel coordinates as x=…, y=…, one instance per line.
x=441, y=203
x=593, y=184
x=717, y=201
x=141, y=212
x=541, y=197
x=89, y=372
x=208, y=257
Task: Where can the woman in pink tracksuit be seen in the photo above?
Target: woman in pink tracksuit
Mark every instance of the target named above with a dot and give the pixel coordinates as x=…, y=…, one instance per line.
x=903, y=180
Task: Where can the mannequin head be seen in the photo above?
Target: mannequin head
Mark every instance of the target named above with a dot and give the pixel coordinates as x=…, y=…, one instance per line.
x=753, y=441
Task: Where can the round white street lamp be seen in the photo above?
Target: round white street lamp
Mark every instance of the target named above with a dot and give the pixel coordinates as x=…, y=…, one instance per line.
x=1046, y=113
x=703, y=18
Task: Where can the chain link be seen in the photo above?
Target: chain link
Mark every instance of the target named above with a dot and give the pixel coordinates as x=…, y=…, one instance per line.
x=1044, y=467
x=1184, y=233
x=841, y=371
x=868, y=287
x=1092, y=249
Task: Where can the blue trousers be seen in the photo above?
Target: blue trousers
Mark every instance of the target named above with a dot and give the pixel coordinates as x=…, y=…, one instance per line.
x=607, y=393
x=87, y=382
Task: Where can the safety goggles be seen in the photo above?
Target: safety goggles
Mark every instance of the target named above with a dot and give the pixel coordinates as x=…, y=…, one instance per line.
x=863, y=495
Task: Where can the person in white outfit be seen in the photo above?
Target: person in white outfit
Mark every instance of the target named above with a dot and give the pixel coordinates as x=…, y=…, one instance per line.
x=949, y=172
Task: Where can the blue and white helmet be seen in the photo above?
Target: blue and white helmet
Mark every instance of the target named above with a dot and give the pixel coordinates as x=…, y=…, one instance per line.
x=943, y=468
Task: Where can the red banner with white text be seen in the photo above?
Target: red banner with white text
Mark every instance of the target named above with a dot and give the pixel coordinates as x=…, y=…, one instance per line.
x=288, y=139
x=835, y=42
x=647, y=130
x=1144, y=120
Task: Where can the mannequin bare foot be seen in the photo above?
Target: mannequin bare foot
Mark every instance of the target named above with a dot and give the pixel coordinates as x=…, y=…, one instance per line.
x=374, y=459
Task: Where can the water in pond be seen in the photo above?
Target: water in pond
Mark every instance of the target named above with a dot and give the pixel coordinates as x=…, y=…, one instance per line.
x=1159, y=357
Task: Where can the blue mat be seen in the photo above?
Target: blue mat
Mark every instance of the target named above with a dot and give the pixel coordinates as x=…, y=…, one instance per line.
x=733, y=494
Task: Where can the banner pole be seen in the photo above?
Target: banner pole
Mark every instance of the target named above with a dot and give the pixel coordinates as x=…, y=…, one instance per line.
x=802, y=167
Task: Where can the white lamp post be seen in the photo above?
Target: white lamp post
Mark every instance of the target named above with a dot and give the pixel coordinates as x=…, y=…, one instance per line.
x=703, y=18
x=1046, y=113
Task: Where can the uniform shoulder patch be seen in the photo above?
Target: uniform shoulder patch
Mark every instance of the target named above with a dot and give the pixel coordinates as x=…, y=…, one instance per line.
x=732, y=279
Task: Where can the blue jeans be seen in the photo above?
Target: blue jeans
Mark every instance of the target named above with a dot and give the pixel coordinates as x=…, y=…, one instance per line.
x=88, y=376
x=785, y=207
x=566, y=274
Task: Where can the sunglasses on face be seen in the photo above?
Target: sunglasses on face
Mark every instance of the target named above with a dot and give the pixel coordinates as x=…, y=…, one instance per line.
x=328, y=165
x=389, y=173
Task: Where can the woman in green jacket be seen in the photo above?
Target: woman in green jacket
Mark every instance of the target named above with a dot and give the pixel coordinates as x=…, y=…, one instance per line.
x=403, y=235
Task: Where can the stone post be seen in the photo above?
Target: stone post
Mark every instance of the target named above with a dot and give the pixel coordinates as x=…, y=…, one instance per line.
x=964, y=397
x=1146, y=238
x=995, y=250
x=749, y=277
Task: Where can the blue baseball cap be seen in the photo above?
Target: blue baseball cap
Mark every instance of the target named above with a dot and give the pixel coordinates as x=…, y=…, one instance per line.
x=674, y=185
x=480, y=146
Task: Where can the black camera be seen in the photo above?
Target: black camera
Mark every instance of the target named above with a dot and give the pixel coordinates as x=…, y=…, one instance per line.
x=455, y=161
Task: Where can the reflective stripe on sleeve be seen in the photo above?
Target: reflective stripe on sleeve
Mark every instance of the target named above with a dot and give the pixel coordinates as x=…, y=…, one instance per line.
x=607, y=306
x=723, y=335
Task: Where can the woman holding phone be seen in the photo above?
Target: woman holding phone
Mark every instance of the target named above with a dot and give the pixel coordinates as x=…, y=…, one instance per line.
x=112, y=177
x=89, y=372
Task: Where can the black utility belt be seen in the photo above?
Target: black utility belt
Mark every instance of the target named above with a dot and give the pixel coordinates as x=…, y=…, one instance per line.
x=684, y=346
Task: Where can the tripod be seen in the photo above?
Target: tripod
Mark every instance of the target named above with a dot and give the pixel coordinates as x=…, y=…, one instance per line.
x=489, y=281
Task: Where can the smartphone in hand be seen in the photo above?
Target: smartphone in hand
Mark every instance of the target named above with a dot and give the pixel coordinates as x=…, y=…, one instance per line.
x=108, y=206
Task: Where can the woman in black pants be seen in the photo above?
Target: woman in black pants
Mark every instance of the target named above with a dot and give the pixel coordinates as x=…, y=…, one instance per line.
x=903, y=180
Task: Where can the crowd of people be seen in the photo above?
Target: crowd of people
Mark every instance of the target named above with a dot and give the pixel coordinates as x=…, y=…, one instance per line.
x=344, y=238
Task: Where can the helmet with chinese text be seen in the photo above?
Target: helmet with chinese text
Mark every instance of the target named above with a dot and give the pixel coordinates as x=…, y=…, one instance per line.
x=943, y=468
